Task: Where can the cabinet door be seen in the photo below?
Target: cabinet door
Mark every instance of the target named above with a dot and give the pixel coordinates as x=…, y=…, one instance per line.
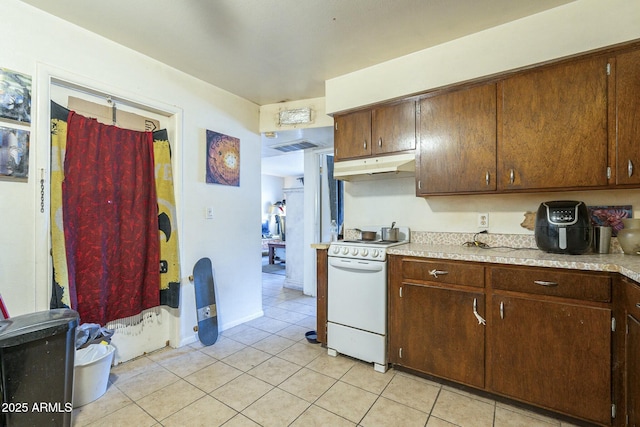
x=457, y=151
x=632, y=351
x=633, y=371
x=441, y=335
x=352, y=135
x=627, y=111
x=552, y=354
x=552, y=129
x=394, y=128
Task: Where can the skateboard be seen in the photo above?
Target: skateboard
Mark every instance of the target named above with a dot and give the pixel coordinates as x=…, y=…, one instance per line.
x=205, y=302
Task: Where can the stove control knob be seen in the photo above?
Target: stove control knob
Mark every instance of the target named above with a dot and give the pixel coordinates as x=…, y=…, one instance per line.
x=336, y=249
x=354, y=251
x=375, y=253
x=345, y=250
x=365, y=252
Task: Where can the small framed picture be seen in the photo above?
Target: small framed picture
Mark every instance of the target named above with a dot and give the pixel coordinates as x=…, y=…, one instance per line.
x=223, y=159
x=15, y=96
x=14, y=154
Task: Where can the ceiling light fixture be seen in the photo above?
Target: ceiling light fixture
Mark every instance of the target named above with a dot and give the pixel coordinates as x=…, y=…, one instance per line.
x=296, y=116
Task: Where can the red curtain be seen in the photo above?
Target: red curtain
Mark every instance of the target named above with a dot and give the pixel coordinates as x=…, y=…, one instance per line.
x=110, y=220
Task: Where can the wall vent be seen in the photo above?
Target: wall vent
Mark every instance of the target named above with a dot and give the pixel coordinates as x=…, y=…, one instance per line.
x=294, y=146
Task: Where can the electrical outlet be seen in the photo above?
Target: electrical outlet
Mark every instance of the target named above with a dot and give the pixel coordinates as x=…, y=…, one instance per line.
x=483, y=220
x=209, y=213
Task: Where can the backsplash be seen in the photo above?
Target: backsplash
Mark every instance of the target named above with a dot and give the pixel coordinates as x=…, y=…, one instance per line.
x=492, y=240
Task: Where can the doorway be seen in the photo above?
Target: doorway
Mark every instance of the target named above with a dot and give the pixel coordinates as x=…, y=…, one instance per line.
x=159, y=324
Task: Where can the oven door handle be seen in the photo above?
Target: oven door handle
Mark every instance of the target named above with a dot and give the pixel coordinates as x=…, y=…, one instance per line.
x=356, y=264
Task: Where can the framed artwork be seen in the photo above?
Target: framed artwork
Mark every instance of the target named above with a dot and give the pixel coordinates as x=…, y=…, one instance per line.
x=15, y=96
x=14, y=154
x=611, y=216
x=223, y=159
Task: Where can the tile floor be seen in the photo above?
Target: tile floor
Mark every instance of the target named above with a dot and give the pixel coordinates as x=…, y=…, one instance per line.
x=265, y=373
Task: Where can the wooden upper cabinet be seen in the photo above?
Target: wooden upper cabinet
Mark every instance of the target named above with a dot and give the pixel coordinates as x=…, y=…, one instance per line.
x=393, y=128
x=457, y=150
x=352, y=135
x=627, y=117
x=552, y=127
x=384, y=130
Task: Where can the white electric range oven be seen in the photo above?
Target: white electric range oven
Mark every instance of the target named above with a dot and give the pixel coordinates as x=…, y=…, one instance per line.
x=357, y=298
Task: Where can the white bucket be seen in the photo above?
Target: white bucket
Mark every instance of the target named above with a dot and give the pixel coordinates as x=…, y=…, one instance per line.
x=91, y=373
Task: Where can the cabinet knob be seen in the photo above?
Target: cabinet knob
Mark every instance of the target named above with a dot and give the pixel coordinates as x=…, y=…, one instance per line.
x=379, y=142
x=638, y=305
x=365, y=144
x=512, y=176
x=486, y=177
x=501, y=310
x=630, y=168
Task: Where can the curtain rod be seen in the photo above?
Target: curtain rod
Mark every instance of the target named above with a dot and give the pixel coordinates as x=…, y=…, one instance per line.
x=110, y=98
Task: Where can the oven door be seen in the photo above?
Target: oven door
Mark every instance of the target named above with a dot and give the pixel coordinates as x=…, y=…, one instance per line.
x=357, y=294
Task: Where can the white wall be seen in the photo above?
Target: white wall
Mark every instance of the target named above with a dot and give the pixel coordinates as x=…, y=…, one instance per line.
x=381, y=201
x=575, y=27
x=43, y=46
x=572, y=28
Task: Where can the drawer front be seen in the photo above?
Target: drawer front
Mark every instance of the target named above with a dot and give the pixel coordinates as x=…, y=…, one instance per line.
x=454, y=273
x=553, y=282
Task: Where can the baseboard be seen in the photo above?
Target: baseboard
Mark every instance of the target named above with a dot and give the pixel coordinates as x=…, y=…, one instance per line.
x=293, y=284
x=237, y=322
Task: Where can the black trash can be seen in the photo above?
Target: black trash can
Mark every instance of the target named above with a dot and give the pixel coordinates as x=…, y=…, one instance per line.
x=37, y=353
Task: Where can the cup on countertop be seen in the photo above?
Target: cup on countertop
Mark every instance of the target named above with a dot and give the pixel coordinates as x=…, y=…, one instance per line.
x=601, y=239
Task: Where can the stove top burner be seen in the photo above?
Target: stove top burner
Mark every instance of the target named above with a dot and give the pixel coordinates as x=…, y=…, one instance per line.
x=371, y=242
x=371, y=250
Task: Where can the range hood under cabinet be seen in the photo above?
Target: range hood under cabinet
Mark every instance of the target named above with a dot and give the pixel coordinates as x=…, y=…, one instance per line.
x=396, y=165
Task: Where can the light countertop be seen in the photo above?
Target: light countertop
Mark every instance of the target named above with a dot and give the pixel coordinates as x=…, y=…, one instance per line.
x=627, y=265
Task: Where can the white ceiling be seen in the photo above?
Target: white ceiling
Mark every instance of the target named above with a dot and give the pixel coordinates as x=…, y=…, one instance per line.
x=269, y=51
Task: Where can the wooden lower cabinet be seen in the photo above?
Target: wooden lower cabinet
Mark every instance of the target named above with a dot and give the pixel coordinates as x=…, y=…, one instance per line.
x=554, y=354
x=441, y=335
x=633, y=371
x=432, y=327
x=544, y=343
x=631, y=352
x=322, y=275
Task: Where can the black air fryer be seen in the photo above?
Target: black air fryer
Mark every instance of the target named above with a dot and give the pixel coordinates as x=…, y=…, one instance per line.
x=563, y=227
